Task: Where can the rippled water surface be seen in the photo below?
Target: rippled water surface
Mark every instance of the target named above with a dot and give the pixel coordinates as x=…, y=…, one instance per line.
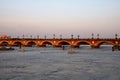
x=57, y=64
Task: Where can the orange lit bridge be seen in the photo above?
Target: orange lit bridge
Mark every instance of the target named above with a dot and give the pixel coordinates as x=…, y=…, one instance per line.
x=94, y=43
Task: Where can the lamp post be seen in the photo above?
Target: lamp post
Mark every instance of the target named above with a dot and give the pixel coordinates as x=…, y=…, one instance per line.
x=45, y=36
x=116, y=36
x=71, y=36
x=92, y=36
x=23, y=36
x=60, y=36
x=37, y=36
x=78, y=36
x=53, y=36
x=31, y=36
x=97, y=36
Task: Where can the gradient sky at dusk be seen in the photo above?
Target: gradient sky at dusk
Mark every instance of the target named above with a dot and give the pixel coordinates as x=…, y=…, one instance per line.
x=60, y=17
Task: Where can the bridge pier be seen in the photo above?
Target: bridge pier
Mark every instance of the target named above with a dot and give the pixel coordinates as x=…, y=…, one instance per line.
x=116, y=47
x=57, y=46
x=41, y=45
x=75, y=46
x=94, y=46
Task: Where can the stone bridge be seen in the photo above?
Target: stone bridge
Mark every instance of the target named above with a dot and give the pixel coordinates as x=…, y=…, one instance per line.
x=94, y=43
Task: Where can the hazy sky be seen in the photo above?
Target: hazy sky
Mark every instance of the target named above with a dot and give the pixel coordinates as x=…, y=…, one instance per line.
x=60, y=17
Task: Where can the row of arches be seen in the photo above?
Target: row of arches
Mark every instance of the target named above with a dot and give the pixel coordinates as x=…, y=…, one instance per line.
x=48, y=43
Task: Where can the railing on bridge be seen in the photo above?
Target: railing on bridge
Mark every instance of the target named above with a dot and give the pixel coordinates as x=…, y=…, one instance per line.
x=61, y=39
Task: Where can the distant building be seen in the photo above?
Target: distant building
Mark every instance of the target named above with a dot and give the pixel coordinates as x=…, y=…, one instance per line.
x=4, y=37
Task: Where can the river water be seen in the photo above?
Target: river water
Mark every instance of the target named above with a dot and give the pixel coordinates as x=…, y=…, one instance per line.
x=56, y=64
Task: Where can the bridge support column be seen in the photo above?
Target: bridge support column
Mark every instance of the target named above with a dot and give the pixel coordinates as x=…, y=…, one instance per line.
x=41, y=46
x=57, y=46
x=74, y=46
x=94, y=46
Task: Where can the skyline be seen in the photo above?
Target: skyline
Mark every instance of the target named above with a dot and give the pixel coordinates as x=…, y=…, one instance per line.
x=64, y=17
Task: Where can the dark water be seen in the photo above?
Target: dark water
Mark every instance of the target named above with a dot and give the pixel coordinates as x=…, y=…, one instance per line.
x=58, y=64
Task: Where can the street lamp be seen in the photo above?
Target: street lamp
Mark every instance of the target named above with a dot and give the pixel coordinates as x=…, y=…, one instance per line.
x=92, y=36
x=71, y=36
x=23, y=36
x=78, y=36
x=116, y=36
x=97, y=36
x=45, y=36
x=31, y=36
x=37, y=36
x=60, y=36
x=53, y=36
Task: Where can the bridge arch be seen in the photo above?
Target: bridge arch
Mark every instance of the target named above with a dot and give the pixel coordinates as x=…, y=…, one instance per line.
x=104, y=42
x=4, y=43
x=46, y=43
x=31, y=43
x=65, y=43
x=17, y=43
x=78, y=43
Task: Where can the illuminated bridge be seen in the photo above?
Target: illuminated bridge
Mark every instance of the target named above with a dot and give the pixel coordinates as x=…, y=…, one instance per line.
x=94, y=43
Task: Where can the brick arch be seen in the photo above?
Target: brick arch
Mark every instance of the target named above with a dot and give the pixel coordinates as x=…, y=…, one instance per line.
x=45, y=42
x=17, y=42
x=78, y=43
x=64, y=42
x=31, y=43
x=101, y=42
x=60, y=43
x=4, y=43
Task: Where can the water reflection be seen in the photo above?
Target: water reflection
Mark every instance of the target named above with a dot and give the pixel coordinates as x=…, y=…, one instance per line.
x=56, y=64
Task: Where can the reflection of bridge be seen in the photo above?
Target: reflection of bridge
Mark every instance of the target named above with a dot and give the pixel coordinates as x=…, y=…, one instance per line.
x=94, y=43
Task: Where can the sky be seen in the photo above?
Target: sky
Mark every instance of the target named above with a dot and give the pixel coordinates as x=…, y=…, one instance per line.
x=60, y=17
